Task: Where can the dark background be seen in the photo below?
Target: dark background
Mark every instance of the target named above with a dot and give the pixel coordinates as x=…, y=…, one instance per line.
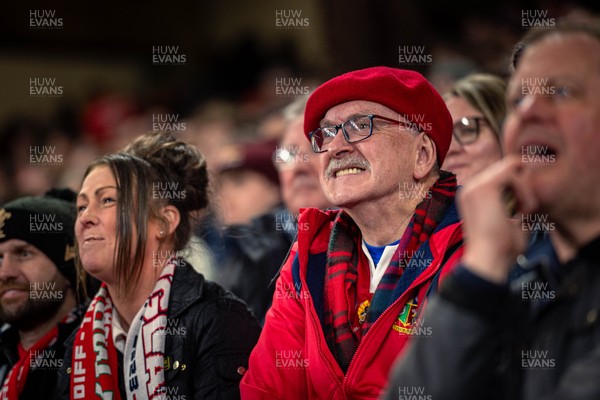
x=234, y=53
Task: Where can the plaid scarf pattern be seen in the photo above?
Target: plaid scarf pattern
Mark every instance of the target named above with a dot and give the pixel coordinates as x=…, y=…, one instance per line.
x=342, y=270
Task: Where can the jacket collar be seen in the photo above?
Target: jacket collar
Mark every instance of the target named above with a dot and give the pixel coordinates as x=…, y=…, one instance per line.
x=8, y=345
x=591, y=251
x=539, y=261
x=189, y=286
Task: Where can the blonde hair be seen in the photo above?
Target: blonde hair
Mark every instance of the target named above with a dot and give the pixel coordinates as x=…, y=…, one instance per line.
x=484, y=92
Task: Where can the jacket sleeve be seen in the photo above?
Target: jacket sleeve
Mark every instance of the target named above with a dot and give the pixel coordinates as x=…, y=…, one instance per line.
x=228, y=332
x=284, y=333
x=458, y=360
x=580, y=380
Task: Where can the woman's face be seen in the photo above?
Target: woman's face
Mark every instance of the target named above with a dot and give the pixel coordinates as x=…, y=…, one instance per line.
x=96, y=225
x=468, y=159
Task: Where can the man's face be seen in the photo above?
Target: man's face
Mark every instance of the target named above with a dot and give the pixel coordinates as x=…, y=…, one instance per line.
x=245, y=194
x=370, y=170
x=299, y=175
x=553, y=122
x=31, y=287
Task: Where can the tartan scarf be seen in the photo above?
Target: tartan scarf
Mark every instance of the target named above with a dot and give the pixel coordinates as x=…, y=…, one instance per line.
x=343, y=272
x=94, y=364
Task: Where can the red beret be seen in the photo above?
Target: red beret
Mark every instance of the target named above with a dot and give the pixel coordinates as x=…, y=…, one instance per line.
x=406, y=92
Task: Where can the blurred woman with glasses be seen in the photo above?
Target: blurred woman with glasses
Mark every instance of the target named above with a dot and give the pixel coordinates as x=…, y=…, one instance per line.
x=477, y=106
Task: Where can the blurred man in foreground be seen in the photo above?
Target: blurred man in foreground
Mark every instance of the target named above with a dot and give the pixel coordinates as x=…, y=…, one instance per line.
x=535, y=336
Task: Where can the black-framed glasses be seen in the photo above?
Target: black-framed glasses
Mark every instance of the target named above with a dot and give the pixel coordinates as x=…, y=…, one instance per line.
x=466, y=130
x=354, y=130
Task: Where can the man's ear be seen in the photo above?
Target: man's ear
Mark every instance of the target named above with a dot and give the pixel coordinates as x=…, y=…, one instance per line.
x=425, y=156
x=170, y=216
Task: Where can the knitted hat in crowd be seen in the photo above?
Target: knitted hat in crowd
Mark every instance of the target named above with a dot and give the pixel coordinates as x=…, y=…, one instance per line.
x=406, y=92
x=256, y=156
x=47, y=222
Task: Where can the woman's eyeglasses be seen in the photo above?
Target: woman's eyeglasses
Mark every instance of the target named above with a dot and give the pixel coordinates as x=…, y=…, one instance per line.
x=467, y=129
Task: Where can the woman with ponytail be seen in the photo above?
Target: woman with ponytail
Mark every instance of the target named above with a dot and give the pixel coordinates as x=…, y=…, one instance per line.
x=156, y=328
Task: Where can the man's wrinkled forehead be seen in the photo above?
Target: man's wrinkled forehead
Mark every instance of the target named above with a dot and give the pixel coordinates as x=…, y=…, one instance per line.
x=559, y=52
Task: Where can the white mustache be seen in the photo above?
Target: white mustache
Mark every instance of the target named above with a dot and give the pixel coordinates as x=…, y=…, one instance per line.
x=349, y=162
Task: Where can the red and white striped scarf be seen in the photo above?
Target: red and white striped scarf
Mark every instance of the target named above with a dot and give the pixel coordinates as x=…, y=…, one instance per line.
x=94, y=368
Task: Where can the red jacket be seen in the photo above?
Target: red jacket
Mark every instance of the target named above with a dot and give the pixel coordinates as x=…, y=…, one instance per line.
x=292, y=359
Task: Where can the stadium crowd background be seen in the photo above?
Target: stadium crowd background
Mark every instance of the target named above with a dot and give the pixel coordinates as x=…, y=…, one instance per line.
x=79, y=80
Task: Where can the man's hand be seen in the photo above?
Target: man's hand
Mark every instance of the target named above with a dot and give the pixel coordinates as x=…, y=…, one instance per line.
x=493, y=240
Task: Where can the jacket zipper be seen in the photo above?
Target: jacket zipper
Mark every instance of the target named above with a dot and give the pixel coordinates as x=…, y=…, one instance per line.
x=410, y=288
x=316, y=328
x=322, y=354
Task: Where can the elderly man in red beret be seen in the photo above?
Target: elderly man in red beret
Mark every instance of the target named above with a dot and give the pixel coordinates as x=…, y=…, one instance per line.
x=348, y=295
